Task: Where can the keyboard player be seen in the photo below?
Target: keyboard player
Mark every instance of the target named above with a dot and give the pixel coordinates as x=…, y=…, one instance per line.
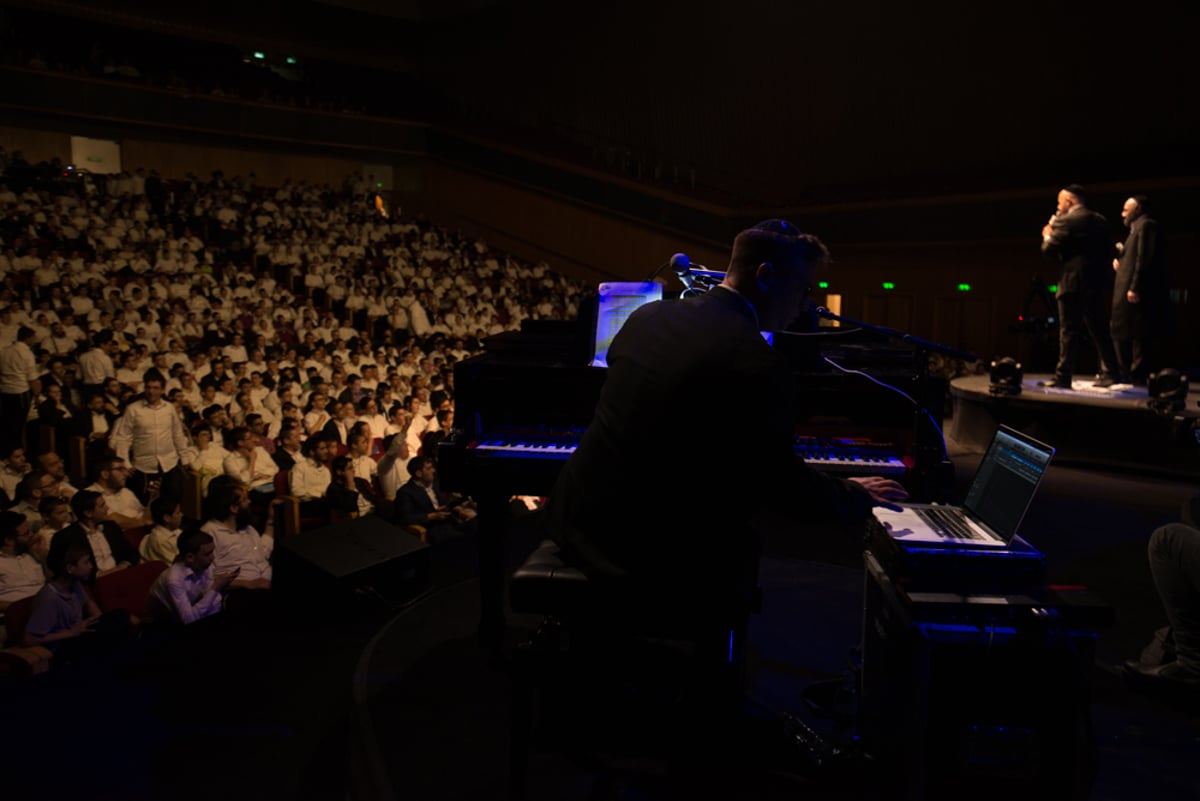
x=652, y=493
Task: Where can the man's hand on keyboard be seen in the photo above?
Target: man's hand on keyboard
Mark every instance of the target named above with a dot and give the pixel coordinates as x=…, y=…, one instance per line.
x=882, y=490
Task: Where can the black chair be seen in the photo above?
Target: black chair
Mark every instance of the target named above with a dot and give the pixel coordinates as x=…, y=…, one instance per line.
x=634, y=667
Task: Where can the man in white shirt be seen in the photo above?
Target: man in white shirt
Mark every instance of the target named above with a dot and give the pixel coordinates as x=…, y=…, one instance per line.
x=152, y=430
x=239, y=546
x=96, y=365
x=18, y=384
x=123, y=506
x=249, y=463
x=21, y=576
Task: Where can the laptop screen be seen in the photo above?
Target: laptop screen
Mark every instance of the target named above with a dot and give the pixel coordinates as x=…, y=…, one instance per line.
x=1009, y=474
x=618, y=300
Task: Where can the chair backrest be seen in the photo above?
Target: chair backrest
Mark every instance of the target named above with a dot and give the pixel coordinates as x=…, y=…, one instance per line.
x=192, y=502
x=281, y=483
x=128, y=589
x=77, y=460
x=135, y=534
x=16, y=618
x=47, y=438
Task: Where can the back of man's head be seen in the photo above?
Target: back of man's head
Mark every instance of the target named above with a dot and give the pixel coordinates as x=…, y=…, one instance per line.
x=773, y=241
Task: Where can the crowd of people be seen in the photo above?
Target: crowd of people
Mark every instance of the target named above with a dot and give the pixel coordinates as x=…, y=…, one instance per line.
x=295, y=341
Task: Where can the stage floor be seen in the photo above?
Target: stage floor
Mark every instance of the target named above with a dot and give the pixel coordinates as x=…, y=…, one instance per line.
x=1113, y=428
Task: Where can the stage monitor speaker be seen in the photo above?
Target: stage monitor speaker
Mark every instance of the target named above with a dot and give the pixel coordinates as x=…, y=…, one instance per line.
x=365, y=555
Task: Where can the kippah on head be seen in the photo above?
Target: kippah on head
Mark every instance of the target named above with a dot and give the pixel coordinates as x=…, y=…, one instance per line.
x=1143, y=201
x=1077, y=191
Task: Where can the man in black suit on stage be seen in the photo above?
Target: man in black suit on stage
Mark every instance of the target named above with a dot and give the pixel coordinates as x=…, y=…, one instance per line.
x=1139, y=306
x=656, y=493
x=1078, y=237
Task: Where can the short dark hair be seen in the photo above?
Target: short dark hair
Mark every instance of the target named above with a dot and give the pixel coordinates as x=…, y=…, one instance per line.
x=234, y=435
x=10, y=521
x=339, y=464
x=49, y=503
x=223, y=496
x=772, y=241
x=418, y=463
x=83, y=502
x=191, y=540
x=66, y=548
x=162, y=506
x=1078, y=191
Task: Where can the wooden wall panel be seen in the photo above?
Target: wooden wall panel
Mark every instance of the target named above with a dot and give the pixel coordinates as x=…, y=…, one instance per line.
x=36, y=145
x=271, y=168
x=582, y=241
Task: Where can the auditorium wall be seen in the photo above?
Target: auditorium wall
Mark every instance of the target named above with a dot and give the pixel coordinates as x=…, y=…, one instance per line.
x=925, y=298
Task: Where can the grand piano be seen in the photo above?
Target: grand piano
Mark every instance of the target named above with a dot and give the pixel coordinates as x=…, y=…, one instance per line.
x=522, y=406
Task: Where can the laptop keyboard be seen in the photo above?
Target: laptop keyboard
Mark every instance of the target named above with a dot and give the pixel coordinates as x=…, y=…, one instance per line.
x=949, y=524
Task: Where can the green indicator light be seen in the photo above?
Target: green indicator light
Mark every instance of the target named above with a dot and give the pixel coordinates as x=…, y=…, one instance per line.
x=290, y=60
x=888, y=285
x=822, y=285
x=1053, y=287
x=379, y=184
x=259, y=54
x=964, y=287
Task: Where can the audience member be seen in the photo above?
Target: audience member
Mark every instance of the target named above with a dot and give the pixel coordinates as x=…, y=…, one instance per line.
x=189, y=590
x=21, y=574
x=123, y=506
x=103, y=539
x=161, y=542
x=64, y=617
x=239, y=546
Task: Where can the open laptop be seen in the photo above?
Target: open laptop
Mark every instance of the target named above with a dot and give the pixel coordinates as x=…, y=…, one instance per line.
x=996, y=503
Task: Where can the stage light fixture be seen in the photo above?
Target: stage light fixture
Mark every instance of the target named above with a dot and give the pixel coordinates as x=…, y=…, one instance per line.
x=1168, y=390
x=1006, y=376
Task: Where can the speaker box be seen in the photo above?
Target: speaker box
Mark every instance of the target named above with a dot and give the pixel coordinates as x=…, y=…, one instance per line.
x=367, y=554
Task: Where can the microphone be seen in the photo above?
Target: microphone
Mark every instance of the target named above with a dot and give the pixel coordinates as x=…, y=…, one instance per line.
x=682, y=266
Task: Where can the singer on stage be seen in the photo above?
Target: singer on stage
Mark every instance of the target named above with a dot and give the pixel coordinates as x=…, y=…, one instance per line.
x=1078, y=237
x=1139, y=305
x=656, y=490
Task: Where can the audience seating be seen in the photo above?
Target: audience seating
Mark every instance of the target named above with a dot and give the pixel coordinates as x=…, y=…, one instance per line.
x=16, y=617
x=127, y=589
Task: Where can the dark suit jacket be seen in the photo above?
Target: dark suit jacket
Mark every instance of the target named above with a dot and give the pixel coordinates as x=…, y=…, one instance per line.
x=284, y=459
x=84, y=426
x=413, y=505
x=50, y=414
x=331, y=430
x=1080, y=240
x=122, y=549
x=346, y=500
x=657, y=483
x=1143, y=269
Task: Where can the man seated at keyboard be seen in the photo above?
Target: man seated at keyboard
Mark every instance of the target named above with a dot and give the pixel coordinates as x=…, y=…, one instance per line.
x=647, y=497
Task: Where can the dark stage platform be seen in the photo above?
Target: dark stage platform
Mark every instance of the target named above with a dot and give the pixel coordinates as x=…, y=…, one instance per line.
x=1112, y=428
